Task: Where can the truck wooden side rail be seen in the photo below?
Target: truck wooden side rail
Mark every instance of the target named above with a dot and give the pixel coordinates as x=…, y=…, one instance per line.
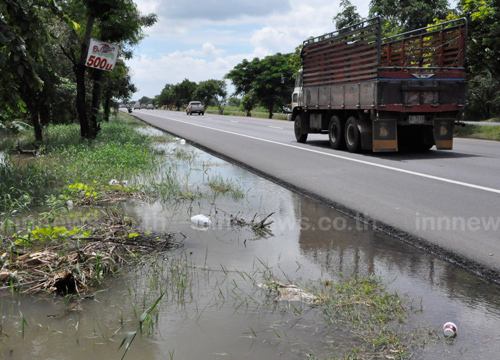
x=366, y=92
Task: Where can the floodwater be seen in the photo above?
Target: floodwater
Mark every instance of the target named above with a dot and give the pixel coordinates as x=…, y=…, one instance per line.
x=212, y=308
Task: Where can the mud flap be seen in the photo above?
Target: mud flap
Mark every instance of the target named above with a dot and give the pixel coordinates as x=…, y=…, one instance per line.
x=385, y=135
x=443, y=133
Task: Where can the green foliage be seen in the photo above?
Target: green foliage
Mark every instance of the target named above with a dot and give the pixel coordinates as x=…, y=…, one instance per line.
x=145, y=100
x=119, y=152
x=405, y=15
x=478, y=131
x=483, y=100
x=167, y=96
x=348, y=16
x=270, y=80
x=248, y=102
x=234, y=101
x=36, y=79
x=212, y=90
x=484, y=32
x=184, y=92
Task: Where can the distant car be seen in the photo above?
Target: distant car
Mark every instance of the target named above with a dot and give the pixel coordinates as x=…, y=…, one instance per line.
x=137, y=106
x=143, y=106
x=150, y=107
x=195, y=107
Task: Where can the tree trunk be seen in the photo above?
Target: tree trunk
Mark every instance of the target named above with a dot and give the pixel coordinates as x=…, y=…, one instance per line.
x=80, y=101
x=96, y=97
x=44, y=114
x=79, y=69
x=34, y=113
x=271, y=111
x=107, y=106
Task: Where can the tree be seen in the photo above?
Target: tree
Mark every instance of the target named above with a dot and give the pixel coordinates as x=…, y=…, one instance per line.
x=270, y=80
x=117, y=84
x=483, y=96
x=183, y=93
x=234, y=101
x=25, y=75
x=116, y=21
x=348, y=16
x=212, y=90
x=167, y=96
x=248, y=102
x=243, y=76
x=145, y=100
x=405, y=15
x=484, y=34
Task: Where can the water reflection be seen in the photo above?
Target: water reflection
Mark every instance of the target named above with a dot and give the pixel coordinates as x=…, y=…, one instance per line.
x=309, y=242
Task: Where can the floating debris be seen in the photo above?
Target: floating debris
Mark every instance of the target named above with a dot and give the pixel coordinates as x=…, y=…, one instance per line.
x=289, y=292
x=449, y=329
x=201, y=220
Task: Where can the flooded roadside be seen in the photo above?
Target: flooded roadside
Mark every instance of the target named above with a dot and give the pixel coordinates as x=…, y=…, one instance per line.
x=212, y=307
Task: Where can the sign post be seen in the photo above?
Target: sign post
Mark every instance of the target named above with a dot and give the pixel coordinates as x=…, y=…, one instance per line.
x=102, y=55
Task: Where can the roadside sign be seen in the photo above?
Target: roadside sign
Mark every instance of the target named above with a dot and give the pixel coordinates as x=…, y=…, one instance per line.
x=102, y=55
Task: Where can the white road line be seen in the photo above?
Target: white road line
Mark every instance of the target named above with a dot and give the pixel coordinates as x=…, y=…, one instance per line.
x=276, y=127
x=449, y=181
x=233, y=121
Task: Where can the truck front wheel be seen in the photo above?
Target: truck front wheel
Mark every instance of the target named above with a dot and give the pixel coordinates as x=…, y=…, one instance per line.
x=299, y=135
x=352, y=135
x=336, y=133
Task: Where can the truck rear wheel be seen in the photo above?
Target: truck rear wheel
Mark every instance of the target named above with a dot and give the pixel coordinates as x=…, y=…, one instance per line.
x=352, y=135
x=336, y=133
x=299, y=135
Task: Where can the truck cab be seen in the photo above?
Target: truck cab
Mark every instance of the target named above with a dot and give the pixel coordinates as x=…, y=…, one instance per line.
x=297, y=92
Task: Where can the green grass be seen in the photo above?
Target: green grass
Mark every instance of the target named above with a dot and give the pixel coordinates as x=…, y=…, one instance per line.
x=219, y=185
x=119, y=152
x=478, y=132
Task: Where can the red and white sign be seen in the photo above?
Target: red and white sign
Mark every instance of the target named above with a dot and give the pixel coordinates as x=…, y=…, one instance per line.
x=102, y=55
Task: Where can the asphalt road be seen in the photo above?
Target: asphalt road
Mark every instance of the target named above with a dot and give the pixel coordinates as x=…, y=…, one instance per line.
x=447, y=202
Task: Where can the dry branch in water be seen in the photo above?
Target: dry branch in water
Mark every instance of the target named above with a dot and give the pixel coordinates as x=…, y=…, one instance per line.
x=80, y=263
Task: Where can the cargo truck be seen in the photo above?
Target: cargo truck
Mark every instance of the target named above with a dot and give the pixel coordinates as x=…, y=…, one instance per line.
x=382, y=94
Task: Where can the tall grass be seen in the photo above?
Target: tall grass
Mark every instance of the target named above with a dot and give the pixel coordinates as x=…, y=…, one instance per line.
x=119, y=152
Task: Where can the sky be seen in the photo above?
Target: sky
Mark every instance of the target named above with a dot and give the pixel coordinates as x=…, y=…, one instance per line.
x=205, y=39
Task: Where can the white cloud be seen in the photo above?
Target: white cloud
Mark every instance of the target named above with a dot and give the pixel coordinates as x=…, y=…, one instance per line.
x=201, y=40
x=207, y=49
x=219, y=10
x=175, y=67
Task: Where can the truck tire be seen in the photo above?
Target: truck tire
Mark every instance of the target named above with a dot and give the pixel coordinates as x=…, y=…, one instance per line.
x=299, y=135
x=336, y=133
x=203, y=113
x=352, y=135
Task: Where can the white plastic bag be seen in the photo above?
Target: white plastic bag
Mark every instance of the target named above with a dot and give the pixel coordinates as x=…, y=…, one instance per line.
x=201, y=220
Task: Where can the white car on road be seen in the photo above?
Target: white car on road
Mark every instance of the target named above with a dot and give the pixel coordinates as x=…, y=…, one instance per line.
x=195, y=107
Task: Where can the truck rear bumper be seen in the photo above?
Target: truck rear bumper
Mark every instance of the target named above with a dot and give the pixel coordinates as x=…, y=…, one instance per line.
x=391, y=133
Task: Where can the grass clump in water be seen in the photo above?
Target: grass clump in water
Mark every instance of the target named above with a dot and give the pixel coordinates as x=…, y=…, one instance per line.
x=374, y=319
x=219, y=185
